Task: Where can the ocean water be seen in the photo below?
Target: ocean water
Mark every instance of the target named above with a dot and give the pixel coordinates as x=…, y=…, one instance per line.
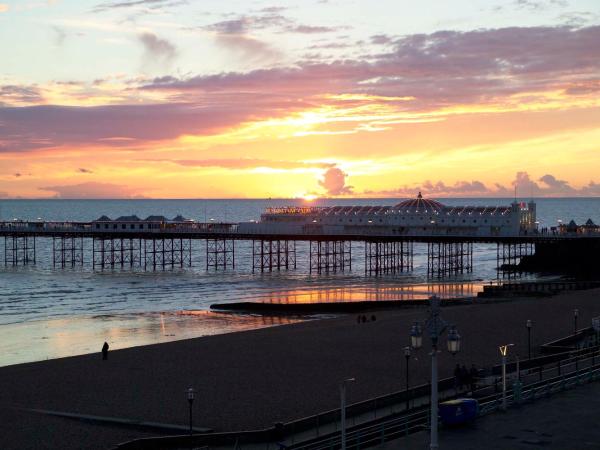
x=49, y=313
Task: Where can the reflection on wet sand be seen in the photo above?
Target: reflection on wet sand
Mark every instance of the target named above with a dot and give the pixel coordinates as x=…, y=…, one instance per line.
x=60, y=337
x=57, y=338
x=375, y=293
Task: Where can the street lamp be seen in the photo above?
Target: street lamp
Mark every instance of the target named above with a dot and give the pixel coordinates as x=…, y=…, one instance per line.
x=575, y=316
x=191, y=394
x=436, y=327
x=343, y=409
x=504, y=352
x=407, y=356
x=529, y=324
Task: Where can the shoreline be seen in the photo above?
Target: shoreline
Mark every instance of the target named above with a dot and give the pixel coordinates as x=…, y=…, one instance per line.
x=252, y=379
x=55, y=336
x=74, y=336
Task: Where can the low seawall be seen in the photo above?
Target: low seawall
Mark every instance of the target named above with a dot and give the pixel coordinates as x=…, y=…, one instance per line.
x=325, y=308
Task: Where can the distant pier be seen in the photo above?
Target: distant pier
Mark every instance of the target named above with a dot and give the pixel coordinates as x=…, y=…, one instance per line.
x=159, y=245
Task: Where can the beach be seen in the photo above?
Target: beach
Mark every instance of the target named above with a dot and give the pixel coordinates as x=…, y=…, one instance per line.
x=252, y=379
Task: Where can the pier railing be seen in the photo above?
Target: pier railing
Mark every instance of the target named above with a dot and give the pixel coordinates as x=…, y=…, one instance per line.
x=233, y=230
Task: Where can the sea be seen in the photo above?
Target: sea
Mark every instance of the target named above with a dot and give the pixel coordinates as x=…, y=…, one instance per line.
x=48, y=312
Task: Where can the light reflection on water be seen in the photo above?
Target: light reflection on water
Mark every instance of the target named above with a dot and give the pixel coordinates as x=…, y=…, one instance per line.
x=375, y=293
x=56, y=338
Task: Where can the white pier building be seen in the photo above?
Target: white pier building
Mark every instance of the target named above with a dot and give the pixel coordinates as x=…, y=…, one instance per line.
x=413, y=217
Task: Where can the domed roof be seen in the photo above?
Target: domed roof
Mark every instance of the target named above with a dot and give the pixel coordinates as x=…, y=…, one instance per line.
x=420, y=204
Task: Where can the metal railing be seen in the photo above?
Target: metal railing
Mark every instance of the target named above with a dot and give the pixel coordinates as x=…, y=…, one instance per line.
x=564, y=375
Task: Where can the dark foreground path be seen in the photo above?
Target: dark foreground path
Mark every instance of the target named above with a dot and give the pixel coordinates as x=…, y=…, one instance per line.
x=252, y=379
x=567, y=421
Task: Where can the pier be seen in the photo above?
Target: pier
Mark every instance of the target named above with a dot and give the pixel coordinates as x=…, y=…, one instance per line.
x=161, y=245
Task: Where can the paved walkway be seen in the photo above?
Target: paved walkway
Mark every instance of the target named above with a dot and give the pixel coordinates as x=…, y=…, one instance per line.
x=567, y=421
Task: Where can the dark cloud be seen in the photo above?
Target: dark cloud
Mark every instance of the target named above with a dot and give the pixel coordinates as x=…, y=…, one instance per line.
x=157, y=52
x=150, y=4
x=36, y=127
x=19, y=94
x=248, y=48
x=311, y=29
x=381, y=39
x=84, y=170
x=238, y=34
x=539, y=5
x=59, y=36
x=441, y=189
x=438, y=70
x=522, y=186
x=334, y=182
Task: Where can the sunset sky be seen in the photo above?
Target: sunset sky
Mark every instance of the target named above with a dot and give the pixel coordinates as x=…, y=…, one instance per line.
x=228, y=98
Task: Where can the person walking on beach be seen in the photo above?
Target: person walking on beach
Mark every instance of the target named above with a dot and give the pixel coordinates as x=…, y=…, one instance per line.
x=105, y=351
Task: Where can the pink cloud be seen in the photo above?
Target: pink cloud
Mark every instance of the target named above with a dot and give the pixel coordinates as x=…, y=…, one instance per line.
x=334, y=182
x=437, y=70
x=248, y=163
x=93, y=190
x=548, y=186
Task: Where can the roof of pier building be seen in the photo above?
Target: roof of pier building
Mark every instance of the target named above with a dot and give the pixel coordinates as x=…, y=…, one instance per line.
x=156, y=219
x=419, y=204
x=414, y=206
x=132, y=218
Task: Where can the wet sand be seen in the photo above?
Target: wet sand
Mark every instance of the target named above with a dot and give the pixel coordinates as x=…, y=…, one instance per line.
x=254, y=378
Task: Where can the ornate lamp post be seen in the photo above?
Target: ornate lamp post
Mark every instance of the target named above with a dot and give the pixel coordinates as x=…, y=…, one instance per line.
x=435, y=326
x=191, y=394
x=575, y=316
x=407, y=356
x=529, y=324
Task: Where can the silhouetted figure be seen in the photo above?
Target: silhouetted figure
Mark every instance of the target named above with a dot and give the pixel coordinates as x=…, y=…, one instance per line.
x=473, y=373
x=464, y=376
x=363, y=319
x=373, y=318
x=358, y=319
x=105, y=350
x=457, y=378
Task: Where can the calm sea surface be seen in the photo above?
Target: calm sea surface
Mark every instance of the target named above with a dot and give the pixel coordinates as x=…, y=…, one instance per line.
x=49, y=313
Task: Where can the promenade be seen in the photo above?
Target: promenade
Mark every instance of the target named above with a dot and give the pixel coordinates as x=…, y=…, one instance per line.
x=566, y=421
x=250, y=380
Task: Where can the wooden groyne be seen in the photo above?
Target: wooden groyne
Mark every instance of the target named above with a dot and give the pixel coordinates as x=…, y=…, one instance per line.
x=536, y=288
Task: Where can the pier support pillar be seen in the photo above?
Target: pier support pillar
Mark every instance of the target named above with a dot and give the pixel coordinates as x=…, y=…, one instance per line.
x=220, y=253
x=67, y=251
x=167, y=253
x=388, y=257
x=268, y=255
x=116, y=252
x=509, y=255
x=330, y=256
x=19, y=249
x=449, y=258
